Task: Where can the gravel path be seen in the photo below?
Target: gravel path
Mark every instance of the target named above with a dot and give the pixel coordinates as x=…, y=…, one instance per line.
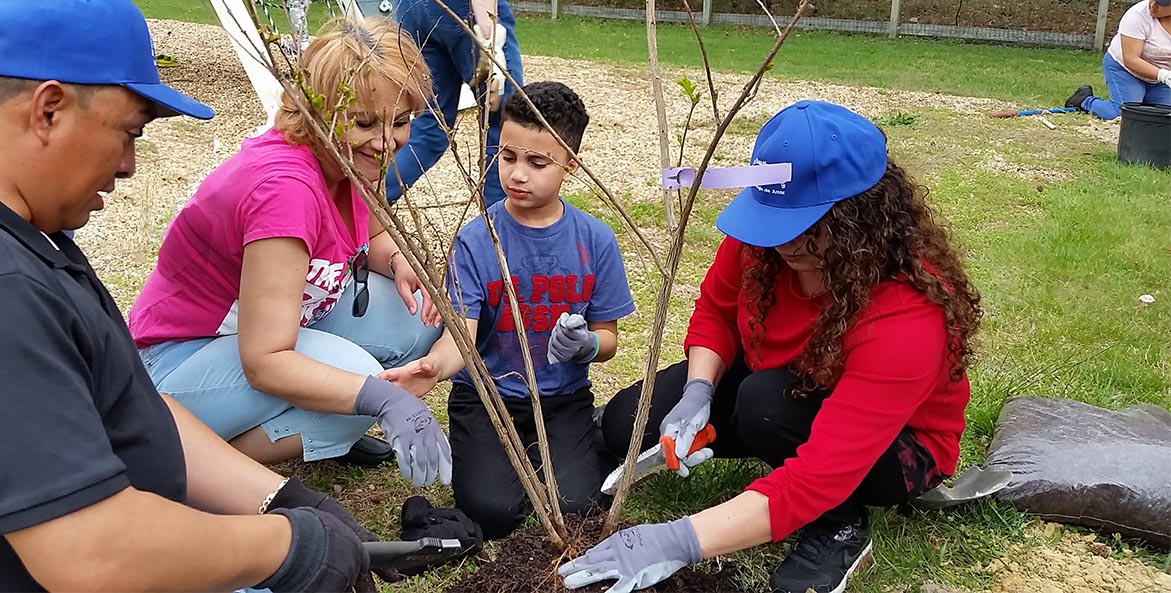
x=621, y=144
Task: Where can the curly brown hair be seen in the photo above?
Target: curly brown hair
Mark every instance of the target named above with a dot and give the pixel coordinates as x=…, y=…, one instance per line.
x=885, y=233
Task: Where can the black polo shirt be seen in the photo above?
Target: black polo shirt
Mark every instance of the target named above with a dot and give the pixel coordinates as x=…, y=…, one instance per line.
x=80, y=419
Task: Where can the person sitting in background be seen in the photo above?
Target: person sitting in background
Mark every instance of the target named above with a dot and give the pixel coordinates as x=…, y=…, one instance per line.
x=830, y=340
x=1137, y=65
x=263, y=317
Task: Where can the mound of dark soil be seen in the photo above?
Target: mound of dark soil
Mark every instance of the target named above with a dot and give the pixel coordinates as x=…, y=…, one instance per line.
x=527, y=563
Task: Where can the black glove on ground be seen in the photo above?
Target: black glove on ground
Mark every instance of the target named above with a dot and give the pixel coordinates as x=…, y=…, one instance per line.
x=421, y=519
x=324, y=556
x=295, y=494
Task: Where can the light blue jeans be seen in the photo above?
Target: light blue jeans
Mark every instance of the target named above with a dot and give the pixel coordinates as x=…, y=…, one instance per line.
x=451, y=56
x=1124, y=88
x=207, y=377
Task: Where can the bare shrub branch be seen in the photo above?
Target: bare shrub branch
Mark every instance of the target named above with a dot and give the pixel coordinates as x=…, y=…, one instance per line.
x=666, y=283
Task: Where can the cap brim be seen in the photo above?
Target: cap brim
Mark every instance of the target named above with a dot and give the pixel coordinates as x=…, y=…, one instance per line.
x=750, y=222
x=170, y=101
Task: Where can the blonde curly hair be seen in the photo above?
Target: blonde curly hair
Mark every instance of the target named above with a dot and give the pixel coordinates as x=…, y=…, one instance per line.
x=358, y=54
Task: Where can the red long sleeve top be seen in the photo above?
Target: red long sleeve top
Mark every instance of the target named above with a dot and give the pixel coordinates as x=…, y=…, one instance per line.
x=896, y=375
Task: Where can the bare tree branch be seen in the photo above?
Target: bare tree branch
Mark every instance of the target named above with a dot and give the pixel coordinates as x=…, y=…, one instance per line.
x=606, y=193
x=656, y=77
x=707, y=67
x=666, y=283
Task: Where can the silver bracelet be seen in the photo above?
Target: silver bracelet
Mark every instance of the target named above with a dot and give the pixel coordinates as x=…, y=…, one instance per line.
x=271, y=495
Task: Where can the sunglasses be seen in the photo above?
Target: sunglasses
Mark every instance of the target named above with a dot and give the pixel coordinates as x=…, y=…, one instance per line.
x=360, y=266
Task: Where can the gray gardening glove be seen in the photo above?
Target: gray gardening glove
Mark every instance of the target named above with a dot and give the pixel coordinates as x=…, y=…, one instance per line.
x=571, y=341
x=324, y=555
x=1164, y=76
x=420, y=447
x=638, y=557
x=687, y=418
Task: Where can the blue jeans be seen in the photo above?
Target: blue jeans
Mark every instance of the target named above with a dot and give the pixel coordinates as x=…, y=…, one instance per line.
x=1124, y=88
x=206, y=375
x=451, y=56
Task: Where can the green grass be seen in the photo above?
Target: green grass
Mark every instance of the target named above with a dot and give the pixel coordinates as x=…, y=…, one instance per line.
x=200, y=11
x=1060, y=239
x=1041, y=77
x=192, y=11
x=1031, y=76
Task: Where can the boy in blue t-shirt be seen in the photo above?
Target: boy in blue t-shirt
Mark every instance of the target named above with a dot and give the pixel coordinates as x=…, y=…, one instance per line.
x=571, y=289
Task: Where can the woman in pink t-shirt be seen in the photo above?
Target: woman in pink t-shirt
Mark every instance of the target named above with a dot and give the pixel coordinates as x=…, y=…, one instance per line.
x=1137, y=66
x=263, y=316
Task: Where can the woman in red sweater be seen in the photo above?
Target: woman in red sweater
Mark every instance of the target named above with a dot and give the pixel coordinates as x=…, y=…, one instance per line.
x=830, y=340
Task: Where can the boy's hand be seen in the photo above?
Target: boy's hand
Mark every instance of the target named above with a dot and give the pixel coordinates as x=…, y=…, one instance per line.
x=418, y=376
x=571, y=341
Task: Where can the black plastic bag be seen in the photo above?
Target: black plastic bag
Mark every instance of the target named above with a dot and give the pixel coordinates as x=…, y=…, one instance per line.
x=1079, y=464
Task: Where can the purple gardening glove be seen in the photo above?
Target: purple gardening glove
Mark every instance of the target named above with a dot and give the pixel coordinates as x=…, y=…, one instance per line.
x=638, y=557
x=571, y=341
x=420, y=447
x=686, y=419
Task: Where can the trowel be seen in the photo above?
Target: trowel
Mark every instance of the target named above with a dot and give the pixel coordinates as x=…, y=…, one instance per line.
x=973, y=484
x=386, y=553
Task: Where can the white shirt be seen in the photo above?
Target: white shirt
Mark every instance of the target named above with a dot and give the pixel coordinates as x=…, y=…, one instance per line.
x=1138, y=23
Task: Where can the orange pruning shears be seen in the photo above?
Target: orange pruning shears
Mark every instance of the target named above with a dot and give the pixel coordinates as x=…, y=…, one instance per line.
x=658, y=458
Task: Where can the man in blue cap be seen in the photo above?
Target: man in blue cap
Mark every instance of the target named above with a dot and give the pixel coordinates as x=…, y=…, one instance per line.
x=105, y=485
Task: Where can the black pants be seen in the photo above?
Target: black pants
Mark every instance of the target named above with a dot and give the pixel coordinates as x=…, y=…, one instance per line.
x=485, y=485
x=756, y=415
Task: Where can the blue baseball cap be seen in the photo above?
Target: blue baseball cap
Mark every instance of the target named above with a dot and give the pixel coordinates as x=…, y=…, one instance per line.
x=833, y=154
x=97, y=42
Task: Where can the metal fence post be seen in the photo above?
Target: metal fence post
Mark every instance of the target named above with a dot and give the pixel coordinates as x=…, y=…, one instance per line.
x=706, y=18
x=1100, y=30
x=892, y=29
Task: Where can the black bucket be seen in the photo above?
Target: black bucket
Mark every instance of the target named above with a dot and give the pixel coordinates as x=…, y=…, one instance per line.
x=1145, y=137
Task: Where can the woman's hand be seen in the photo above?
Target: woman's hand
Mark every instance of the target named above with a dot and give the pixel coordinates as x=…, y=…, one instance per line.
x=638, y=557
x=418, y=376
x=420, y=448
x=685, y=420
x=407, y=282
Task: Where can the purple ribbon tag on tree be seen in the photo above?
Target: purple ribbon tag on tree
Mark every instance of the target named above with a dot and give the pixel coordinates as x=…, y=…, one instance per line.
x=729, y=177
